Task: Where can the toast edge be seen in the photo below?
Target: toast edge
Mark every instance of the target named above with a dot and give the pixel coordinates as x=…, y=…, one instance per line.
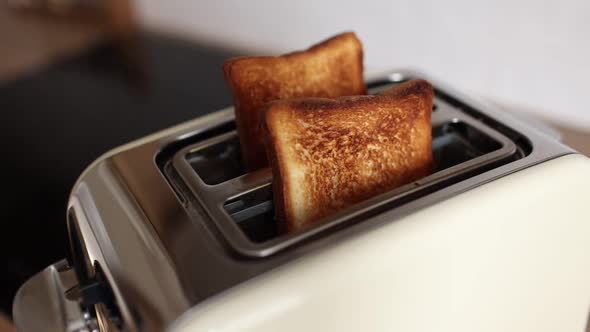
x=273, y=149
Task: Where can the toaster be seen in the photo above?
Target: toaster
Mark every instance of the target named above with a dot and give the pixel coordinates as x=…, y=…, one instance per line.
x=169, y=233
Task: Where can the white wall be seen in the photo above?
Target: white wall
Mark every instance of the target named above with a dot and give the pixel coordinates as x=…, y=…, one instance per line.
x=533, y=54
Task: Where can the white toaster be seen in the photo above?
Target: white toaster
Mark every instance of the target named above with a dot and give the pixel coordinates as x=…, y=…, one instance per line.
x=168, y=233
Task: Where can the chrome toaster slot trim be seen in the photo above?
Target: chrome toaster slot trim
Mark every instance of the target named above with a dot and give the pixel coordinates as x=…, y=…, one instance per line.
x=218, y=187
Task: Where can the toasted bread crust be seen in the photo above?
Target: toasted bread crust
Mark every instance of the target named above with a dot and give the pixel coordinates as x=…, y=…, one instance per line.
x=327, y=154
x=331, y=68
x=275, y=148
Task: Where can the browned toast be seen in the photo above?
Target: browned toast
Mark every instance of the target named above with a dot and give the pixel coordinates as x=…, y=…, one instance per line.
x=327, y=154
x=331, y=68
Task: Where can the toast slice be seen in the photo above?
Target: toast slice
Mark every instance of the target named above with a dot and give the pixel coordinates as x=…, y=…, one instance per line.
x=327, y=154
x=331, y=68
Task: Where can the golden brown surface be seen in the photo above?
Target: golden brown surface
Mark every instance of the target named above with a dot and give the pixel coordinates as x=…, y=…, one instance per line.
x=332, y=68
x=327, y=154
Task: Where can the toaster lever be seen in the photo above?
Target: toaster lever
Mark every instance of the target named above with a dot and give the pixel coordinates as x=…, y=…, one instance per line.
x=44, y=303
x=94, y=292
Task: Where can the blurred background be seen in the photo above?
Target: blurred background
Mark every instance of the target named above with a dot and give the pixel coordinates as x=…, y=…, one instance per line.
x=78, y=77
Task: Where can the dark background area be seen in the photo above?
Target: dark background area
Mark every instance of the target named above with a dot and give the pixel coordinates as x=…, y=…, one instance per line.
x=58, y=120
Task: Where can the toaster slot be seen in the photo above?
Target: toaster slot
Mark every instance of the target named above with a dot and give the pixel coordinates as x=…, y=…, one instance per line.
x=217, y=160
x=254, y=214
x=457, y=142
x=239, y=204
x=457, y=148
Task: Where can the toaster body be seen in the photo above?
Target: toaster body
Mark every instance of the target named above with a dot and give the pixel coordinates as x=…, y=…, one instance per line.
x=170, y=233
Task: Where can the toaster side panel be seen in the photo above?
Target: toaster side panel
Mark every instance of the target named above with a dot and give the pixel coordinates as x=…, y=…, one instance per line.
x=511, y=255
